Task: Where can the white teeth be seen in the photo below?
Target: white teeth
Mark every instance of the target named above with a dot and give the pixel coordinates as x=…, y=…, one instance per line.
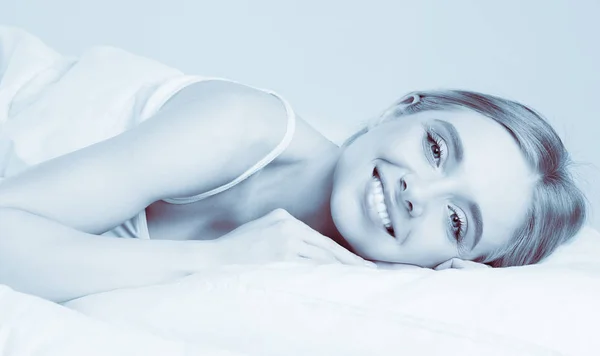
x=379, y=203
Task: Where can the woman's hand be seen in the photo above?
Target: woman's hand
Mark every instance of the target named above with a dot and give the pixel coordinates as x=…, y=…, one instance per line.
x=457, y=263
x=395, y=266
x=453, y=263
x=278, y=236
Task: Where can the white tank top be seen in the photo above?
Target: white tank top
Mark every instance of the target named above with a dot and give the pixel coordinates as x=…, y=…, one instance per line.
x=137, y=226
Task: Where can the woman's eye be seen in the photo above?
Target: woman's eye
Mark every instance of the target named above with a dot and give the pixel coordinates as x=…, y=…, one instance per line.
x=435, y=148
x=457, y=222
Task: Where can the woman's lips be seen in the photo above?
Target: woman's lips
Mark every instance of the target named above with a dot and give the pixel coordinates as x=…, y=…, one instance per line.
x=373, y=200
x=398, y=215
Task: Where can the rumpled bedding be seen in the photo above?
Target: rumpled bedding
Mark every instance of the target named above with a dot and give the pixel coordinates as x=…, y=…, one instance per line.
x=52, y=104
x=274, y=309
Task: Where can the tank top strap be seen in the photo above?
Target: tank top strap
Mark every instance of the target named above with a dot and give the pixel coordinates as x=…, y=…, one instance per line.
x=283, y=144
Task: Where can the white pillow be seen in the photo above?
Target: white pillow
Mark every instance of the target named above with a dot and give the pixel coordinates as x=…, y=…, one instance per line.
x=582, y=250
x=341, y=310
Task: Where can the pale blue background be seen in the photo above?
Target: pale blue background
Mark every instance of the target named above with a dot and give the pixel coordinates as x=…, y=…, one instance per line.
x=341, y=62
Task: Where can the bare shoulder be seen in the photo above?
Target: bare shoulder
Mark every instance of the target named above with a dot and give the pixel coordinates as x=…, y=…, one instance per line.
x=229, y=127
x=242, y=112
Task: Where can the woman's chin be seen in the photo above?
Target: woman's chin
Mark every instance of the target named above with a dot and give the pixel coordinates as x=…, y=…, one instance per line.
x=370, y=250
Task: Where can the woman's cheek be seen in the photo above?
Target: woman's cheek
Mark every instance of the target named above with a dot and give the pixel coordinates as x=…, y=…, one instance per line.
x=404, y=152
x=432, y=239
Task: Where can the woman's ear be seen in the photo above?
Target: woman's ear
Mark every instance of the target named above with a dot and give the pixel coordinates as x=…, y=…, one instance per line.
x=398, y=108
x=457, y=263
x=410, y=99
x=400, y=105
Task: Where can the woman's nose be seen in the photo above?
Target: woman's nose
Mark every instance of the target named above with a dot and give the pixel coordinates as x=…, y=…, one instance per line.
x=414, y=194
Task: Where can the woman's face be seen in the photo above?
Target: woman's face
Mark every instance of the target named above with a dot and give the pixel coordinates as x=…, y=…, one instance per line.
x=424, y=188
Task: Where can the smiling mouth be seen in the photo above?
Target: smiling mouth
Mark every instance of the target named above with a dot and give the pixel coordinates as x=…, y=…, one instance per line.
x=378, y=199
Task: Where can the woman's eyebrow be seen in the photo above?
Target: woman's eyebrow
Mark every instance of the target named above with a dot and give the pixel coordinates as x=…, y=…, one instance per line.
x=455, y=140
x=478, y=222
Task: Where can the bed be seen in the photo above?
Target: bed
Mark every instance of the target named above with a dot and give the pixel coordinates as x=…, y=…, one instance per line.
x=274, y=309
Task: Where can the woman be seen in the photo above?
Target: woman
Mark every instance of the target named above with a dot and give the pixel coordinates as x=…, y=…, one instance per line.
x=227, y=174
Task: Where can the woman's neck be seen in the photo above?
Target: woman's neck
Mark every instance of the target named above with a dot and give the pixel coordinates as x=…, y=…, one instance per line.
x=315, y=158
x=315, y=202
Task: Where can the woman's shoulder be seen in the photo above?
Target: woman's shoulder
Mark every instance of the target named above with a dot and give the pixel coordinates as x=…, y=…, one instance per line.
x=215, y=132
x=241, y=113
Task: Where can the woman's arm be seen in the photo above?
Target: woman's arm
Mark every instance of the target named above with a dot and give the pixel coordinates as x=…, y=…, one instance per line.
x=204, y=137
x=50, y=214
x=42, y=257
x=60, y=263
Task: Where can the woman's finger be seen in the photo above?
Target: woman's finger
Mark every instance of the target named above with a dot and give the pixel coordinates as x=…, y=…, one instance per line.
x=457, y=263
x=445, y=265
x=395, y=266
x=466, y=264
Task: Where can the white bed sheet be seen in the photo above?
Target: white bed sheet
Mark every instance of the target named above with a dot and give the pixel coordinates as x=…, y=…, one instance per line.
x=547, y=309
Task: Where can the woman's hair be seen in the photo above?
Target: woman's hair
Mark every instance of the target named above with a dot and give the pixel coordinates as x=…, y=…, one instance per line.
x=558, y=208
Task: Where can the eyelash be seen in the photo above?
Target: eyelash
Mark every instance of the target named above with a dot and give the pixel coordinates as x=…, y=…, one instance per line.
x=434, y=140
x=458, y=234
